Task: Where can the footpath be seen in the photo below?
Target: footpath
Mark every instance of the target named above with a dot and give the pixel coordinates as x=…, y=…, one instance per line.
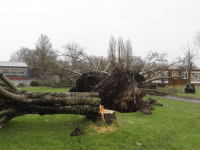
x=179, y=98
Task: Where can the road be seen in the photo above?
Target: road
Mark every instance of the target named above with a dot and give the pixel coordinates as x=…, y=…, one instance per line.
x=179, y=98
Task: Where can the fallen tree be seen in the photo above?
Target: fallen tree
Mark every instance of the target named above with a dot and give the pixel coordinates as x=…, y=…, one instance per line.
x=120, y=91
x=16, y=102
x=122, y=86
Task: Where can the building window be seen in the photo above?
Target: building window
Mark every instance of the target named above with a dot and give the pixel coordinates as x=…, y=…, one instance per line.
x=174, y=73
x=165, y=74
x=195, y=77
x=184, y=75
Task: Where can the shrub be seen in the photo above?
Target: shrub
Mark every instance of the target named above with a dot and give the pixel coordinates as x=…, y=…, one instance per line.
x=21, y=85
x=45, y=83
x=34, y=83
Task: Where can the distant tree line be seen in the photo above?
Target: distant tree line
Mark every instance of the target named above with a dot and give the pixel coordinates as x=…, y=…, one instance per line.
x=74, y=61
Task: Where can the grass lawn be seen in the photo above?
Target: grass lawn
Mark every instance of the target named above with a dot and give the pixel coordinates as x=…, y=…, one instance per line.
x=176, y=125
x=45, y=89
x=181, y=91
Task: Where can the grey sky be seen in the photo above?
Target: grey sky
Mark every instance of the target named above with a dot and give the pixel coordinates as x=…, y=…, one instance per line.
x=157, y=25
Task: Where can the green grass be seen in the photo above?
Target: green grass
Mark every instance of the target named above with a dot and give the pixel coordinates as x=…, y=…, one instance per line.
x=45, y=89
x=181, y=91
x=174, y=126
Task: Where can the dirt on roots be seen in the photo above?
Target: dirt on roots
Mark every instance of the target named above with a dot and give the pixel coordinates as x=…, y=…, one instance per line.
x=120, y=91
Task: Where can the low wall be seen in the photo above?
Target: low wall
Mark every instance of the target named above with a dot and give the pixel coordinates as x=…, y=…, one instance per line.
x=25, y=82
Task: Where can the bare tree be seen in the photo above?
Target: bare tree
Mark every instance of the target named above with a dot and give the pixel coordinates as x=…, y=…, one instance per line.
x=120, y=52
x=129, y=54
x=16, y=56
x=39, y=58
x=112, y=52
x=23, y=54
x=153, y=66
x=81, y=62
x=190, y=54
x=137, y=63
x=124, y=53
x=44, y=53
x=72, y=53
x=197, y=39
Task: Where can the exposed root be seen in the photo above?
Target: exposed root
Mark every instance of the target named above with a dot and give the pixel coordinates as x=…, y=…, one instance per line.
x=87, y=82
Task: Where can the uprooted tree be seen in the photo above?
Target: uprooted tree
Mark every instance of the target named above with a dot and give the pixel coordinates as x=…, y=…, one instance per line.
x=119, y=82
x=16, y=102
x=119, y=91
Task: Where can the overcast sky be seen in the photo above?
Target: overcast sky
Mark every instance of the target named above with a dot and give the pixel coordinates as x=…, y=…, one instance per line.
x=156, y=25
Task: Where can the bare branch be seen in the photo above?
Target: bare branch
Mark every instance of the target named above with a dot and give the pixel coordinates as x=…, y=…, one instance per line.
x=98, y=64
x=159, y=78
x=107, y=66
x=75, y=72
x=160, y=70
x=152, y=58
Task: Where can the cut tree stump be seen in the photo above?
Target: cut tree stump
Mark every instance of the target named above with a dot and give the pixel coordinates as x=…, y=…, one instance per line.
x=108, y=116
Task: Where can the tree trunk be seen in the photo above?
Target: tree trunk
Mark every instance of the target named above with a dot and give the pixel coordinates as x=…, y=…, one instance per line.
x=47, y=103
x=9, y=84
x=13, y=104
x=109, y=116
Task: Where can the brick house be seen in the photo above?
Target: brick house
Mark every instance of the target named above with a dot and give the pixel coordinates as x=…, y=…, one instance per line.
x=184, y=79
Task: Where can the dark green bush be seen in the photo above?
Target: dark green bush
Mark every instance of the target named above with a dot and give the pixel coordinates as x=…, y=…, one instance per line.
x=34, y=83
x=21, y=85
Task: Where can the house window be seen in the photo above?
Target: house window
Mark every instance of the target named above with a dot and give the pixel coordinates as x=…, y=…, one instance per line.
x=174, y=73
x=184, y=75
x=165, y=74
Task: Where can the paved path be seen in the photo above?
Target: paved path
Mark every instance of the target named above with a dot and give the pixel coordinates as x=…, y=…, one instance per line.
x=179, y=99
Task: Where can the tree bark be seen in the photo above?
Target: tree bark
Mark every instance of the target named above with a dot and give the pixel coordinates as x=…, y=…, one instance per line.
x=18, y=102
x=109, y=116
x=9, y=84
x=12, y=105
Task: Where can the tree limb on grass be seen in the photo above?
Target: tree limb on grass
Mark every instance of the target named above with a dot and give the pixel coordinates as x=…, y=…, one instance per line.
x=9, y=84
